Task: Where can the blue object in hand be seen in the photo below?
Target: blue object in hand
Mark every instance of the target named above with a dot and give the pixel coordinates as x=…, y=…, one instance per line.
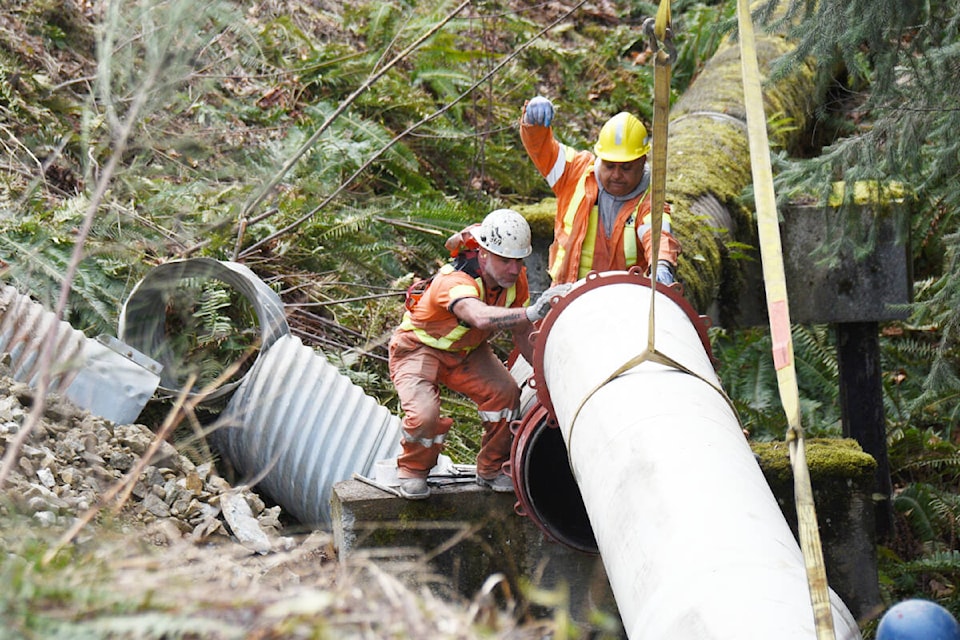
x=665, y=273
x=539, y=111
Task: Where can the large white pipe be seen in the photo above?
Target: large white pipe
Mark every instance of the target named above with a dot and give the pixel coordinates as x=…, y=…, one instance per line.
x=694, y=544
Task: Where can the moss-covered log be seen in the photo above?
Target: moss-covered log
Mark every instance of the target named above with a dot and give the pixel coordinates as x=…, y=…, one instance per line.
x=708, y=167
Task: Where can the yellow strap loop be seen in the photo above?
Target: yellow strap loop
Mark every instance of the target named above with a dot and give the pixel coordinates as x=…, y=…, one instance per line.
x=635, y=361
x=771, y=255
x=662, y=60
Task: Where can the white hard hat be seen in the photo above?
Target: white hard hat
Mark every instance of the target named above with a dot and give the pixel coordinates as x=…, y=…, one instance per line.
x=505, y=233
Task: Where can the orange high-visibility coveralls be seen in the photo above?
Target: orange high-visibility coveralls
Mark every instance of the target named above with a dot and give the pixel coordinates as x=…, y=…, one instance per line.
x=580, y=244
x=431, y=347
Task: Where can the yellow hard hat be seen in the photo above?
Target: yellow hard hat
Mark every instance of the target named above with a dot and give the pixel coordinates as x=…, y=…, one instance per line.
x=623, y=138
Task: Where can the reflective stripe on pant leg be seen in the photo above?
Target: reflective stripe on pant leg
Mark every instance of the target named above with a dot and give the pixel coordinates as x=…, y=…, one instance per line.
x=408, y=437
x=485, y=380
x=419, y=454
x=415, y=370
x=502, y=414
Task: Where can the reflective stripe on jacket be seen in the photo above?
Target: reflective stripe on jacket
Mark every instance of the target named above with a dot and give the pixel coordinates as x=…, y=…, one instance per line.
x=628, y=231
x=570, y=174
x=435, y=325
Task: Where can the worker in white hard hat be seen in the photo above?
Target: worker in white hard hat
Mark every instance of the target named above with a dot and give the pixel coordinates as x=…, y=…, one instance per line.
x=443, y=340
x=603, y=198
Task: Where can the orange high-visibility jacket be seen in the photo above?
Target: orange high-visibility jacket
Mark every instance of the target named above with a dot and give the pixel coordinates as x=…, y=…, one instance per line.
x=576, y=250
x=433, y=321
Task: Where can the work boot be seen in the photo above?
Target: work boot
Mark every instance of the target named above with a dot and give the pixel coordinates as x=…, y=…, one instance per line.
x=414, y=488
x=501, y=484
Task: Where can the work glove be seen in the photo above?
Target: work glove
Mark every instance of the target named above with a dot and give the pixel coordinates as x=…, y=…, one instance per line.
x=538, y=310
x=539, y=111
x=665, y=273
x=454, y=242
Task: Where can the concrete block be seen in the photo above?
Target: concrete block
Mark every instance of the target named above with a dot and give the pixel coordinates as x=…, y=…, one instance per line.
x=462, y=535
x=847, y=268
x=841, y=476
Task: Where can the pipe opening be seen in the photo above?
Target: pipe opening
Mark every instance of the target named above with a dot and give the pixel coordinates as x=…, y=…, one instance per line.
x=552, y=492
x=200, y=318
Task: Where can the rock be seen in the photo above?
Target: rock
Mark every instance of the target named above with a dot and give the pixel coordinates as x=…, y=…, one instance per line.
x=72, y=459
x=46, y=518
x=155, y=505
x=46, y=478
x=69, y=476
x=244, y=526
x=122, y=460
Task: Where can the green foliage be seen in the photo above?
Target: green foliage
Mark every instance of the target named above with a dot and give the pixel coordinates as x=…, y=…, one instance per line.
x=698, y=29
x=936, y=305
x=208, y=328
x=38, y=253
x=229, y=94
x=749, y=378
x=905, y=124
x=72, y=597
x=928, y=565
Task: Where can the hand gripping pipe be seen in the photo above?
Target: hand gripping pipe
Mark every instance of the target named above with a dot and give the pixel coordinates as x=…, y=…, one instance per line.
x=651, y=469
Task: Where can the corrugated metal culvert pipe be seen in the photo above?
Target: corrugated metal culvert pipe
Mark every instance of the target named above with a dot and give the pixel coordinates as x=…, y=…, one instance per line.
x=292, y=424
x=147, y=324
x=302, y=426
x=108, y=378
x=692, y=539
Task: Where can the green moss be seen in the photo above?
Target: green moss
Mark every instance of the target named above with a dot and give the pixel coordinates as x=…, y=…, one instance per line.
x=540, y=216
x=700, y=177
x=869, y=192
x=827, y=459
x=708, y=165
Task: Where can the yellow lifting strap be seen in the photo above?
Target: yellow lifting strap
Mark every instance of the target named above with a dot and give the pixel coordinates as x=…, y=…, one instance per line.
x=775, y=283
x=661, y=42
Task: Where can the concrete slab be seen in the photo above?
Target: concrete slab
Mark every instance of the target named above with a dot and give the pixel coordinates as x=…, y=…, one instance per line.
x=852, y=268
x=461, y=536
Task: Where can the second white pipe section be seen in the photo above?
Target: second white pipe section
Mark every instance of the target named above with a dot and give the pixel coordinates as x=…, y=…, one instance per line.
x=693, y=541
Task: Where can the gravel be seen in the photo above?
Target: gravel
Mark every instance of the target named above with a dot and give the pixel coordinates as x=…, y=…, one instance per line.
x=176, y=551
x=72, y=459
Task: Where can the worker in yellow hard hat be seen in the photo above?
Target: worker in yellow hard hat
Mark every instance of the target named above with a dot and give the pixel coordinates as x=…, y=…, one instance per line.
x=603, y=198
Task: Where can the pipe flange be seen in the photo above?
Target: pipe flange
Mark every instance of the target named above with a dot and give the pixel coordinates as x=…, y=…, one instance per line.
x=593, y=280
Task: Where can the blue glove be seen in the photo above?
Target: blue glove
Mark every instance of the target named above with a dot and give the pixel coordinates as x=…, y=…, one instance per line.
x=539, y=111
x=665, y=273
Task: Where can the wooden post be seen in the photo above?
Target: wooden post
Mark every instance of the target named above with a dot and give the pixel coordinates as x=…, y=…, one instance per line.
x=861, y=406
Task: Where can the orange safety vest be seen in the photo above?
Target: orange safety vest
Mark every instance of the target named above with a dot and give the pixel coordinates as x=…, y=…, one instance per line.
x=570, y=174
x=565, y=231
x=432, y=322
